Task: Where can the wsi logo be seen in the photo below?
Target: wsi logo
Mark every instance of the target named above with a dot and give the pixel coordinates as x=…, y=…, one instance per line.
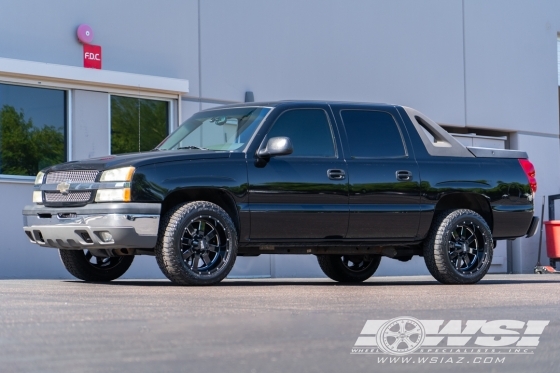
x=406, y=335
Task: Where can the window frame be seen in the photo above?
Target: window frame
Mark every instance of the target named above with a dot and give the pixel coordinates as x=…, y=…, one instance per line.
x=170, y=113
x=350, y=156
x=329, y=122
x=21, y=179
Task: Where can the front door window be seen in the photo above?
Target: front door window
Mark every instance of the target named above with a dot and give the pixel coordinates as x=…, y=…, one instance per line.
x=308, y=129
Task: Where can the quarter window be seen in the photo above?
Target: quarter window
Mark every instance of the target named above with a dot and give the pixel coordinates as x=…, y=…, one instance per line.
x=32, y=129
x=372, y=134
x=308, y=129
x=137, y=124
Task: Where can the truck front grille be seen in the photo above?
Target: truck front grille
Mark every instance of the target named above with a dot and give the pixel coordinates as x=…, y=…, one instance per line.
x=85, y=176
x=70, y=197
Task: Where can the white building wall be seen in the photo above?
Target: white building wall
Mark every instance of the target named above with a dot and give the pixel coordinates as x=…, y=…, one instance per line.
x=510, y=58
x=19, y=258
x=137, y=36
x=405, y=52
x=90, y=132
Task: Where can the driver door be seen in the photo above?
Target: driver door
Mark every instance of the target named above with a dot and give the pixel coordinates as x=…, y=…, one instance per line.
x=303, y=195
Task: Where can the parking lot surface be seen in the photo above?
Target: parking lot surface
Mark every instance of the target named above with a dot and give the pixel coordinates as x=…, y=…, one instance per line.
x=260, y=325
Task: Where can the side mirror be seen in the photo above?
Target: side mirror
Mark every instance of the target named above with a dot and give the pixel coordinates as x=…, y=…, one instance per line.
x=276, y=146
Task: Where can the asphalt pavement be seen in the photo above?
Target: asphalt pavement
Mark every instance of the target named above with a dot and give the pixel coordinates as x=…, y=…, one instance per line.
x=270, y=325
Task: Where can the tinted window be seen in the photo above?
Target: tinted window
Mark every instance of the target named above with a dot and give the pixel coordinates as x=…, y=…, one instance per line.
x=32, y=129
x=372, y=134
x=309, y=130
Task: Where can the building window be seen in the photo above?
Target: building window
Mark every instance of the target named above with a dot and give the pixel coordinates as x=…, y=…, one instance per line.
x=32, y=129
x=137, y=124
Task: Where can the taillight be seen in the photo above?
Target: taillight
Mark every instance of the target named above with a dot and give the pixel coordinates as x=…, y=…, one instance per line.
x=530, y=172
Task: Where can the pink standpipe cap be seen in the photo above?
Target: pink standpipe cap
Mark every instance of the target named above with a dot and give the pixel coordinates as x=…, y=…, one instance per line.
x=85, y=34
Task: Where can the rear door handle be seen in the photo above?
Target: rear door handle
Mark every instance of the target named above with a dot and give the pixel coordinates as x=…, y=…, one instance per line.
x=403, y=175
x=336, y=174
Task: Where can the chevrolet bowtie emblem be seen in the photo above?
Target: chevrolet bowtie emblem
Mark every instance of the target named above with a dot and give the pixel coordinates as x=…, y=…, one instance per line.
x=63, y=187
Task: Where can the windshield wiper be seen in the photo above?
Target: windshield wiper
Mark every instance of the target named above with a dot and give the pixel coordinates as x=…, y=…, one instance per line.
x=191, y=147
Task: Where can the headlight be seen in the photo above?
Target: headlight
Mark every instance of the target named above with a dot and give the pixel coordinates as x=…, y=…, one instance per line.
x=118, y=174
x=113, y=195
x=39, y=178
x=37, y=196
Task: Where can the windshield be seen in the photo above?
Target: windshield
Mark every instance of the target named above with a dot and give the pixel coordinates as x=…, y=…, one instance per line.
x=224, y=129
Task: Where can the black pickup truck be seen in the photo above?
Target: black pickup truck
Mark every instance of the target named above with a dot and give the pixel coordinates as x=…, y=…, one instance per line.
x=347, y=182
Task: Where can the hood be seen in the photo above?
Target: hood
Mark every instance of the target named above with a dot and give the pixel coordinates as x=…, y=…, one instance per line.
x=139, y=159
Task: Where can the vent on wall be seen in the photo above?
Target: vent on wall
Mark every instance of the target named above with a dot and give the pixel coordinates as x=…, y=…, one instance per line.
x=249, y=96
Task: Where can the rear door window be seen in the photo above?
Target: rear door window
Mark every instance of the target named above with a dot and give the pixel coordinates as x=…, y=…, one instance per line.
x=372, y=134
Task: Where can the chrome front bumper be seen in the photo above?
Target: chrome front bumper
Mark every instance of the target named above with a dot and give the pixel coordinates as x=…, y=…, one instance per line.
x=95, y=226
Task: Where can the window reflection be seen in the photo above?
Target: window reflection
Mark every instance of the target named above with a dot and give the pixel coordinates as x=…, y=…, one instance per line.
x=137, y=124
x=32, y=129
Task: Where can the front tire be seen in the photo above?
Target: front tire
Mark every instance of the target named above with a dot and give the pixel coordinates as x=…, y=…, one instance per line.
x=459, y=247
x=197, y=244
x=85, y=266
x=349, y=268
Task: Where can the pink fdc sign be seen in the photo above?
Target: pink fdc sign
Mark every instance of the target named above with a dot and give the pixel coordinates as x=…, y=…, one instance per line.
x=92, y=56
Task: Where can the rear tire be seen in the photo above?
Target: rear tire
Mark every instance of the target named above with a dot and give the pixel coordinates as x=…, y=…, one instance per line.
x=459, y=247
x=197, y=244
x=83, y=265
x=349, y=268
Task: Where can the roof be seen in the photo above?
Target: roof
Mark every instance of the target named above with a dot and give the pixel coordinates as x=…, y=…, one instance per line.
x=303, y=103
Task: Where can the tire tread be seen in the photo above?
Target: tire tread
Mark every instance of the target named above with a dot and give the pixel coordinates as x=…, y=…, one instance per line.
x=166, y=257
x=75, y=262
x=332, y=266
x=435, y=255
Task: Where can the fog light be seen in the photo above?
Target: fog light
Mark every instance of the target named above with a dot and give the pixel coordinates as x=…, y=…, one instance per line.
x=37, y=196
x=106, y=236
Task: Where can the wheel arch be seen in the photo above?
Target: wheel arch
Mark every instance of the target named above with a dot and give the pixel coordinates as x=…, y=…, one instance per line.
x=471, y=201
x=217, y=196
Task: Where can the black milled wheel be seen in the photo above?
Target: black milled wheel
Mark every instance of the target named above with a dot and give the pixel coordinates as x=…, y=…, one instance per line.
x=197, y=244
x=459, y=247
x=85, y=266
x=349, y=268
